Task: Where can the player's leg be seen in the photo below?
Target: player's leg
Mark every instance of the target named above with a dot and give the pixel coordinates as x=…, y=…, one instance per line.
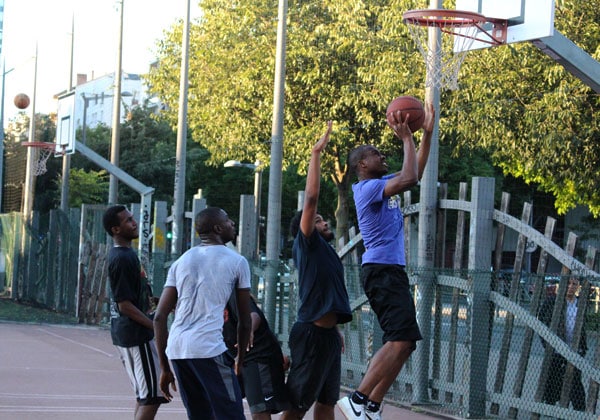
x=330, y=390
x=264, y=383
x=388, y=290
x=311, y=348
x=223, y=387
x=142, y=368
x=193, y=394
x=384, y=369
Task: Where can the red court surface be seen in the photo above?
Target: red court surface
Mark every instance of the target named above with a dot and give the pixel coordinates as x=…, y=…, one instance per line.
x=55, y=372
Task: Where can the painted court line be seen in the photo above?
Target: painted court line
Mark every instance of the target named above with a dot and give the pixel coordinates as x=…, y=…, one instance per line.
x=76, y=342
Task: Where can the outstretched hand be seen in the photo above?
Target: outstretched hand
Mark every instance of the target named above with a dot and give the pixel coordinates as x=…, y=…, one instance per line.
x=429, y=117
x=320, y=145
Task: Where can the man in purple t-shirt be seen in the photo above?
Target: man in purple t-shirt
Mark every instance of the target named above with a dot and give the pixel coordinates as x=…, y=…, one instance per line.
x=382, y=275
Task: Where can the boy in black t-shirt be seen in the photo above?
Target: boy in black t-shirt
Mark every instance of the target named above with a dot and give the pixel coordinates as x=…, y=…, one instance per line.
x=132, y=330
x=262, y=379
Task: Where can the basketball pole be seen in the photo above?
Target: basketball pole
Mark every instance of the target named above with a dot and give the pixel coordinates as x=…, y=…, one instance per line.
x=181, y=153
x=66, y=160
x=4, y=73
x=113, y=186
x=31, y=151
x=427, y=230
x=274, y=208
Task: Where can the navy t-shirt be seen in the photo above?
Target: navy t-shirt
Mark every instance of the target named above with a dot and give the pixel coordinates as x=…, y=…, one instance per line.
x=321, y=287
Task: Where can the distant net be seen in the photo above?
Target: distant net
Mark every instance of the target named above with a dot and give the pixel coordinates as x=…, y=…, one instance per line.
x=14, y=176
x=42, y=151
x=445, y=54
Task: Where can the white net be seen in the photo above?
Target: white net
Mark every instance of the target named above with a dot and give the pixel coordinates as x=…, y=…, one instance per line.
x=443, y=53
x=41, y=152
x=39, y=165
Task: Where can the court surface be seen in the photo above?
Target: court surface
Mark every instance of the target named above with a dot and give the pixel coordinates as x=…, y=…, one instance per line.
x=54, y=372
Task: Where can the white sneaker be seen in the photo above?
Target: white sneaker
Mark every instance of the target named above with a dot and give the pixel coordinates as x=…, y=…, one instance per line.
x=351, y=410
x=373, y=415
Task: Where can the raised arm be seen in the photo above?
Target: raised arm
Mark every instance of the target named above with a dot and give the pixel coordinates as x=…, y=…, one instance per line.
x=313, y=185
x=407, y=177
x=413, y=164
x=423, y=152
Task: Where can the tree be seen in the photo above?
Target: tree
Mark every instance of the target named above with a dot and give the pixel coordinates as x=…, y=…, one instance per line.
x=538, y=122
x=346, y=60
x=147, y=153
x=45, y=192
x=87, y=187
x=343, y=63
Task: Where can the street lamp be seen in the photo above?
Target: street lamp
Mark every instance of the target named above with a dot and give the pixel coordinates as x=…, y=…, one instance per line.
x=257, y=168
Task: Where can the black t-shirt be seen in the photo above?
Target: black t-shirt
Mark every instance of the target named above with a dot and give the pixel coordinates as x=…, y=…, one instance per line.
x=265, y=342
x=321, y=287
x=126, y=283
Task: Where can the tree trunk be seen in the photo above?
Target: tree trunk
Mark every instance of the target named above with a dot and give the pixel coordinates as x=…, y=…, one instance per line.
x=343, y=209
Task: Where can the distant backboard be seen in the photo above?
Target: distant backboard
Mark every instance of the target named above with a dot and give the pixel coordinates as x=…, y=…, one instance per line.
x=65, y=124
x=527, y=19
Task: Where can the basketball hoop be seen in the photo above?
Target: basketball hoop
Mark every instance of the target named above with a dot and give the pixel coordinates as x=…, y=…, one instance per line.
x=445, y=54
x=44, y=151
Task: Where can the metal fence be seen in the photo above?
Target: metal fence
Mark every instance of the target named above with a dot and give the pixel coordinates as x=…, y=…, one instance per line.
x=485, y=353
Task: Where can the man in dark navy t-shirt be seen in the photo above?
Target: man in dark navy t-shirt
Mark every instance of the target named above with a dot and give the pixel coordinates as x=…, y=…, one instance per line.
x=315, y=342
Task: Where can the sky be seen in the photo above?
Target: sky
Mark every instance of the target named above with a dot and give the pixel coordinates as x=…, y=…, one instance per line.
x=48, y=24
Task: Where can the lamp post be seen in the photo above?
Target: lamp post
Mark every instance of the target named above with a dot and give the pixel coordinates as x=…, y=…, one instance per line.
x=113, y=186
x=257, y=168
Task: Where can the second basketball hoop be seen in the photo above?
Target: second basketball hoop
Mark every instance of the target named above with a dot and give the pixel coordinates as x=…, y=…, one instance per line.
x=445, y=54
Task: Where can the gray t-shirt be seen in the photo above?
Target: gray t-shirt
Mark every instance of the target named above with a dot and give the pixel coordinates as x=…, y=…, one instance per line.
x=205, y=277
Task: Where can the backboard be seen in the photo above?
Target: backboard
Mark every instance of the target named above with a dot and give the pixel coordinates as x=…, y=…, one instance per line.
x=527, y=19
x=65, y=124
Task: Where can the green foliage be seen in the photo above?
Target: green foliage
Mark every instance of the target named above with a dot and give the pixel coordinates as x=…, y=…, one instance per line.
x=346, y=60
x=538, y=122
x=147, y=153
x=344, y=63
x=87, y=187
x=13, y=311
x=46, y=194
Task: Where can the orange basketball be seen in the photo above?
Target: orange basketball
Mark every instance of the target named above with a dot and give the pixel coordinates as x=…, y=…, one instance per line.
x=407, y=105
x=21, y=101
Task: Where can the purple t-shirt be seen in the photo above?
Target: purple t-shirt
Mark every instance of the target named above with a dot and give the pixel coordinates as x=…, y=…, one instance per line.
x=380, y=221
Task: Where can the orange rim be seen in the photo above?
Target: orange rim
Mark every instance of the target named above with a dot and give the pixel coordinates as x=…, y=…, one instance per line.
x=443, y=18
x=43, y=145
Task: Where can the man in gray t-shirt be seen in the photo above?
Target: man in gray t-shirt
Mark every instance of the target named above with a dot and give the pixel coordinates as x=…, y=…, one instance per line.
x=198, y=287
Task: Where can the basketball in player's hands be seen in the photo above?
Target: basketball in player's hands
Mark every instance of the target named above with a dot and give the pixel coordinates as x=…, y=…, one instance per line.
x=407, y=105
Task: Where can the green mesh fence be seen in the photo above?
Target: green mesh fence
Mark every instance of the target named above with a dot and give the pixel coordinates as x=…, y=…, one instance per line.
x=495, y=340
